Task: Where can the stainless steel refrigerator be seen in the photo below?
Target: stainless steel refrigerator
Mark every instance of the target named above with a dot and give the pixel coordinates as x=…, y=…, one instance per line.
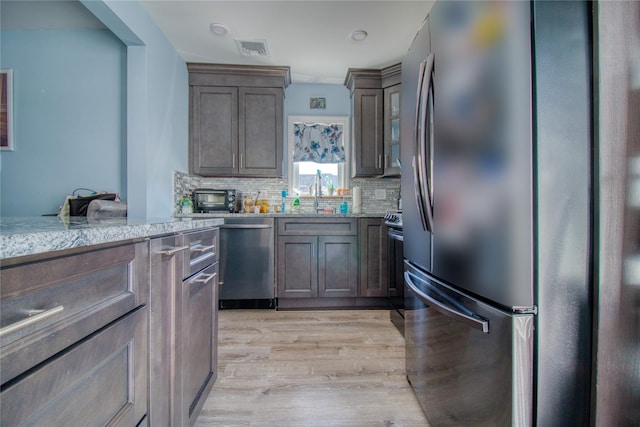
x=497, y=136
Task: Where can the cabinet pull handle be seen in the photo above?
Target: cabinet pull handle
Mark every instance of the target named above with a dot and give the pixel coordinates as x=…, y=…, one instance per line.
x=241, y=161
x=173, y=251
x=206, y=278
x=201, y=248
x=233, y=160
x=379, y=161
x=34, y=316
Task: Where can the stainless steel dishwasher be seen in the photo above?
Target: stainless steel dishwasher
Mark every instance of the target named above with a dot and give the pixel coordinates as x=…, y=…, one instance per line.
x=247, y=263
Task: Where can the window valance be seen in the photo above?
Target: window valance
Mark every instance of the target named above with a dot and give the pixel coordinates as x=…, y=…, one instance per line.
x=318, y=142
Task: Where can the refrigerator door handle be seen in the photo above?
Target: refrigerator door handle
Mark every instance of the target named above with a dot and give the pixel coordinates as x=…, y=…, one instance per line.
x=417, y=189
x=421, y=181
x=469, y=318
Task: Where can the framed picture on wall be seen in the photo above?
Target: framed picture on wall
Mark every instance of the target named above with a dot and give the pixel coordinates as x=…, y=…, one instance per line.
x=6, y=110
x=317, y=103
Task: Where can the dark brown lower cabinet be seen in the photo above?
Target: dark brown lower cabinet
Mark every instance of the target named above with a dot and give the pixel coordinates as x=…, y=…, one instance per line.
x=337, y=266
x=74, y=337
x=166, y=278
x=317, y=266
x=373, y=257
x=196, y=341
x=183, y=319
x=100, y=381
x=297, y=267
x=325, y=262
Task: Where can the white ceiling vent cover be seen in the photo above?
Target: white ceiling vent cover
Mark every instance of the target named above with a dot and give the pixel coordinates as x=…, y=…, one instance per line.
x=253, y=47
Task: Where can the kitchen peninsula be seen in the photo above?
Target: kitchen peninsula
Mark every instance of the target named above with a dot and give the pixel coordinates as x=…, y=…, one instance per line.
x=91, y=311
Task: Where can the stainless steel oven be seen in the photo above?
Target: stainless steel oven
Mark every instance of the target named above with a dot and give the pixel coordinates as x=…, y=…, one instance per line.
x=393, y=221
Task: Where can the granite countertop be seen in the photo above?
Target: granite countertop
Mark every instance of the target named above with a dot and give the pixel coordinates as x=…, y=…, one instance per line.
x=279, y=215
x=21, y=236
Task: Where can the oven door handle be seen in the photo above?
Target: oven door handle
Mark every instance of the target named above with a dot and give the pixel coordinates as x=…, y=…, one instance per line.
x=395, y=234
x=449, y=308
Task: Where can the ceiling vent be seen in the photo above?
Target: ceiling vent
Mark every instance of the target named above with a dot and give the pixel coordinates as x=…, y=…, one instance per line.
x=253, y=47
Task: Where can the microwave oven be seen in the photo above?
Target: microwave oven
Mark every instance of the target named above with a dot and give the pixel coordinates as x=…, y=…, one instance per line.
x=206, y=200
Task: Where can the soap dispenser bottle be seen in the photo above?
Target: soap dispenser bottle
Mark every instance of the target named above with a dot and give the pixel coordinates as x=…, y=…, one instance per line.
x=295, y=206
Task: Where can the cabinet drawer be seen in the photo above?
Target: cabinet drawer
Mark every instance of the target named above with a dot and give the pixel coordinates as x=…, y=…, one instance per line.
x=197, y=341
x=102, y=381
x=65, y=299
x=334, y=226
x=203, y=250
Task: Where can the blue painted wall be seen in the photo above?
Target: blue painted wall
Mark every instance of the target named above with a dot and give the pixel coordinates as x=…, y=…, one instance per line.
x=338, y=102
x=69, y=117
x=158, y=107
x=109, y=110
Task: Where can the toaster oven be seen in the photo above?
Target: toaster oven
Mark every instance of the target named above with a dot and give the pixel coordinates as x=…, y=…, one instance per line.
x=206, y=200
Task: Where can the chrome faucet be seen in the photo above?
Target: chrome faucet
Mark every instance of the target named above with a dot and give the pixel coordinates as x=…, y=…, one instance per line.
x=318, y=209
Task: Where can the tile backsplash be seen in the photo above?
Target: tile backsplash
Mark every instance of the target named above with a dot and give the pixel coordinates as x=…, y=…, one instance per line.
x=271, y=188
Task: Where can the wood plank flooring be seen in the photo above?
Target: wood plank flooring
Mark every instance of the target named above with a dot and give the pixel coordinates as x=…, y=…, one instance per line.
x=310, y=368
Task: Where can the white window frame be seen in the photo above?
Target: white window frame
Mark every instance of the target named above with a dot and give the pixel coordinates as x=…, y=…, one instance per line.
x=343, y=168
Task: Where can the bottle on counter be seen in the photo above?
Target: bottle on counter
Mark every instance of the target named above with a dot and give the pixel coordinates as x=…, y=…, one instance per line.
x=295, y=205
x=344, y=207
x=186, y=205
x=284, y=198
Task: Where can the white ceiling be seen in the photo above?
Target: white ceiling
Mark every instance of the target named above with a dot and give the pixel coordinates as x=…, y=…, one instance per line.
x=311, y=37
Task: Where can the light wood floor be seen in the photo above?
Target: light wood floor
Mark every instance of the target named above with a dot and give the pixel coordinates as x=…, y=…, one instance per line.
x=310, y=368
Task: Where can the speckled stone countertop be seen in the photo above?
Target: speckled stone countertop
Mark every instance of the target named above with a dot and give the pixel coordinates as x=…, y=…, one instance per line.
x=21, y=236
x=280, y=215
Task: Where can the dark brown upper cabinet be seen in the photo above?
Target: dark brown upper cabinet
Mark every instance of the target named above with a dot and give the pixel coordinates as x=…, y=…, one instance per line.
x=392, y=85
x=236, y=120
x=372, y=94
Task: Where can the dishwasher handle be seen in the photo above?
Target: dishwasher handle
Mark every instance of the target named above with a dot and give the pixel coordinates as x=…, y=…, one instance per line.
x=246, y=226
x=462, y=314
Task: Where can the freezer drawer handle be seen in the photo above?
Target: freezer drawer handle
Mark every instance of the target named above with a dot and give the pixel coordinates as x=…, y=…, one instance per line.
x=472, y=319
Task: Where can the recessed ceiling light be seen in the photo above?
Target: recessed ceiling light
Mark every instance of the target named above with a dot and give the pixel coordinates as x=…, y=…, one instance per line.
x=218, y=29
x=358, y=35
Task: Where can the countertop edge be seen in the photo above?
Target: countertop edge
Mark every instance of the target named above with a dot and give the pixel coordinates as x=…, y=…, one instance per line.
x=33, y=241
x=279, y=215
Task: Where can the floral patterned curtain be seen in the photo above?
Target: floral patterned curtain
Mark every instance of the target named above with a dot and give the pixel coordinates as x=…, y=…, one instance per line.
x=318, y=142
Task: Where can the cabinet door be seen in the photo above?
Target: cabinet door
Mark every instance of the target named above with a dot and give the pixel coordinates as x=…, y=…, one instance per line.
x=214, y=131
x=392, y=130
x=166, y=255
x=297, y=267
x=337, y=266
x=100, y=381
x=373, y=263
x=261, y=131
x=197, y=341
x=368, y=144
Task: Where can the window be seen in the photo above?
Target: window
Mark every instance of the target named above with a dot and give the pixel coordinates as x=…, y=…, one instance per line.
x=302, y=175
